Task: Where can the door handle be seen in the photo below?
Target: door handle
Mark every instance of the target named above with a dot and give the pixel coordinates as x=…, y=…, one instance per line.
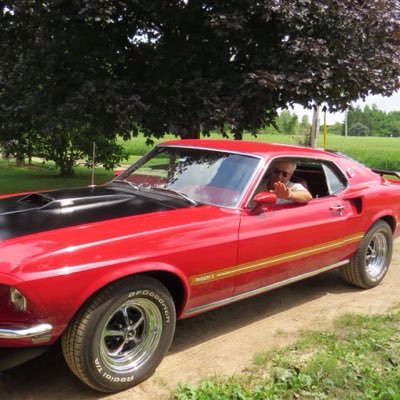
x=339, y=209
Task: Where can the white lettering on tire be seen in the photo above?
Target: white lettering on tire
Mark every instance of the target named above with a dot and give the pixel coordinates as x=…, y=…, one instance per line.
x=111, y=378
x=156, y=297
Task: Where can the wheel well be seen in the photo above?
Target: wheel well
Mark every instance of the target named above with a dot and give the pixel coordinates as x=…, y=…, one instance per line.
x=172, y=283
x=169, y=280
x=390, y=221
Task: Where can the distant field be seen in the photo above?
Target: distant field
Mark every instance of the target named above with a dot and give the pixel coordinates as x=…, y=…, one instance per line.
x=375, y=152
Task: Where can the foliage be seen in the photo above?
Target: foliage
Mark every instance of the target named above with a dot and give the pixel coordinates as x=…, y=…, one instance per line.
x=378, y=122
x=287, y=123
x=358, y=129
x=335, y=129
x=66, y=150
x=99, y=69
x=50, y=90
x=361, y=359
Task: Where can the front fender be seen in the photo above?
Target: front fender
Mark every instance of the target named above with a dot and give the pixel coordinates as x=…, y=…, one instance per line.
x=145, y=267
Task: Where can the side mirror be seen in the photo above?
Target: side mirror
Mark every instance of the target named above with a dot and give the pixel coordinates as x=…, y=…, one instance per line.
x=263, y=199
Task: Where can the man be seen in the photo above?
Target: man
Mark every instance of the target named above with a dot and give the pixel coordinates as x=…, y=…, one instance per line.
x=278, y=180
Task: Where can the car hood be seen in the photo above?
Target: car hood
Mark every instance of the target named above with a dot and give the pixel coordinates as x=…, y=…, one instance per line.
x=37, y=212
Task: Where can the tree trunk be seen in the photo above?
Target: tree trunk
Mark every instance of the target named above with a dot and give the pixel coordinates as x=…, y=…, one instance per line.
x=66, y=167
x=67, y=171
x=20, y=162
x=193, y=131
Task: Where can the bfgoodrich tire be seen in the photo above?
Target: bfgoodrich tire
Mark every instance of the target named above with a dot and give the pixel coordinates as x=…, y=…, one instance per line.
x=121, y=335
x=371, y=261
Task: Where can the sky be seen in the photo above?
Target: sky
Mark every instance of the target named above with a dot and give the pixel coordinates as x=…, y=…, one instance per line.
x=383, y=103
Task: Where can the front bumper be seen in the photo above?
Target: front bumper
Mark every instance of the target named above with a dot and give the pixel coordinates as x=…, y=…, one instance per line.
x=37, y=333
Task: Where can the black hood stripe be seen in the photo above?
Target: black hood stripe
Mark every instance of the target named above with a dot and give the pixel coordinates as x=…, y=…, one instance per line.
x=86, y=205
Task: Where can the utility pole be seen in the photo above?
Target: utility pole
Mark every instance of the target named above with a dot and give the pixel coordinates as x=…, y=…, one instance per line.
x=315, y=126
x=325, y=129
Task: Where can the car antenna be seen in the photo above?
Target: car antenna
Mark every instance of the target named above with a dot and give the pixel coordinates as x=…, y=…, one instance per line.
x=93, y=164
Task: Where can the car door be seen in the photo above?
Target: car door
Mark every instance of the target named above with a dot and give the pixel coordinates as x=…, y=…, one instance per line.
x=286, y=242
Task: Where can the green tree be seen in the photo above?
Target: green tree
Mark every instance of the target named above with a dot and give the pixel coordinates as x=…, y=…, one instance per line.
x=358, y=129
x=378, y=122
x=303, y=132
x=106, y=68
x=393, y=124
x=287, y=123
x=335, y=129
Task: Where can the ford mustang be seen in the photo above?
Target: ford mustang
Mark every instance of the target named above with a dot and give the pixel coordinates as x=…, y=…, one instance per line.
x=107, y=270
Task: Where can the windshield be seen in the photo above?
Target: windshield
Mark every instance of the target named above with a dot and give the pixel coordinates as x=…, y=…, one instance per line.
x=205, y=176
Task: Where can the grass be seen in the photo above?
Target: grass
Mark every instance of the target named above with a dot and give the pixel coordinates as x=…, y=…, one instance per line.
x=359, y=359
x=39, y=177
x=375, y=152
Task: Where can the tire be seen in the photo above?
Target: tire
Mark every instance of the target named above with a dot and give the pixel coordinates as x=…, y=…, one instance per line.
x=121, y=334
x=371, y=261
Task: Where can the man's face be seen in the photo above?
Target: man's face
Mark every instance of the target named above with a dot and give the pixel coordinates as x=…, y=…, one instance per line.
x=281, y=171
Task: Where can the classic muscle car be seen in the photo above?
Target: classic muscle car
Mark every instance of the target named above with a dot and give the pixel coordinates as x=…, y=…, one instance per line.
x=107, y=270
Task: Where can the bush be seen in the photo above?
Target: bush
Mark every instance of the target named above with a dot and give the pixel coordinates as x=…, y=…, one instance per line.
x=358, y=129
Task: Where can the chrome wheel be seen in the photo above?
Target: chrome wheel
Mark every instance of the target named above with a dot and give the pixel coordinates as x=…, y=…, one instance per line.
x=369, y=264
x=375, y=260
x=131, y=335
x=121, y=334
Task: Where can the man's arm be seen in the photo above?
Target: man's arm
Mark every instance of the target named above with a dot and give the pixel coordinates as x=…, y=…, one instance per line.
x=297, y=195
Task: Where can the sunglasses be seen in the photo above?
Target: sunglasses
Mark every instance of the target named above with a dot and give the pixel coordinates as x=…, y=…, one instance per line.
x=278, y=171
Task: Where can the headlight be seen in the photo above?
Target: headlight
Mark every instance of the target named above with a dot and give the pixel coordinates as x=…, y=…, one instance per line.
x=12, y=299
x=17, y=299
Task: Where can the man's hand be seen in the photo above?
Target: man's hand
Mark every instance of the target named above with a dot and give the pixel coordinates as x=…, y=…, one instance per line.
x=281, y=191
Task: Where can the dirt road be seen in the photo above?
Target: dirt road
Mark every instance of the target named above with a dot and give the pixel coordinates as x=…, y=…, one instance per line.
x=219, y=342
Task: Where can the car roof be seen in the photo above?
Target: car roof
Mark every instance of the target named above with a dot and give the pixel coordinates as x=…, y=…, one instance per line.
x=264, y=149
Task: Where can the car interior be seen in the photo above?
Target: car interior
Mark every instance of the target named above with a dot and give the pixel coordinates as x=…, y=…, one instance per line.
x=313, y=178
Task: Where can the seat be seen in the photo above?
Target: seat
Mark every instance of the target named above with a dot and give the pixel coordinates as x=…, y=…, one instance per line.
x=301, y=180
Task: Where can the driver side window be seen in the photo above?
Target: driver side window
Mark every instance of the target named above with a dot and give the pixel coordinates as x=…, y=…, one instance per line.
x=320, y=177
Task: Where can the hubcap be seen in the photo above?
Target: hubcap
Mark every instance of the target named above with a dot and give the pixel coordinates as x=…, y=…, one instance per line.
x=131, y=335
x=376, y=256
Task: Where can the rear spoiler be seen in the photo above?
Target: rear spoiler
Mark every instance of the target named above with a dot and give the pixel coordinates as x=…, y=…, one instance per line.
x=382, y=172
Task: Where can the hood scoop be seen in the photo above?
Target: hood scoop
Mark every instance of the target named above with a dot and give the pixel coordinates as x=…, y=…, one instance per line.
x=37, y=199
x=71, y=201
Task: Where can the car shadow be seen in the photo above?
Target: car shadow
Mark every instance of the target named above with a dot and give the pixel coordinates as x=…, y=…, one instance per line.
x=206, y=326
x=48, y=376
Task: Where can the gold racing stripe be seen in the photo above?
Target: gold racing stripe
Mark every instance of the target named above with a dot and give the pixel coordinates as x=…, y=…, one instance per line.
x=271, y=261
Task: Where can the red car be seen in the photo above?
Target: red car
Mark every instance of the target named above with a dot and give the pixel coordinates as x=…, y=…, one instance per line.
x=107, y=270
